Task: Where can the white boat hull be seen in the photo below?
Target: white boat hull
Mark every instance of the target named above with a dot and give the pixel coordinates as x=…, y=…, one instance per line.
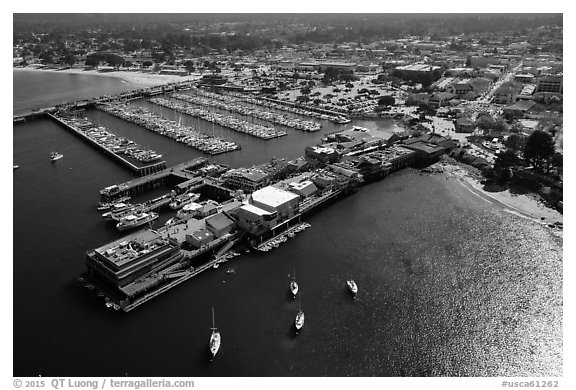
x=299, y=322
x=352, y=286
x=215, y=341
x=294, y=288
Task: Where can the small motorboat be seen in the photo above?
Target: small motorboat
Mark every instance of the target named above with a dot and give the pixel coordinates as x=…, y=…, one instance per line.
x=55, y=156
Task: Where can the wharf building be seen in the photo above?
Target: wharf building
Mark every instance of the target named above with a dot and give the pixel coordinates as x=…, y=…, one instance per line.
x=122, y=262
x=268, y=207
x=254, y=178
x=142, y=265
x=129, y=268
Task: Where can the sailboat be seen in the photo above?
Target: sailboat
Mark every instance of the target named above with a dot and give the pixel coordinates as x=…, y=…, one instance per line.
x=299, y=322
x=214, y=338
x=352, y=287
x=294, y=285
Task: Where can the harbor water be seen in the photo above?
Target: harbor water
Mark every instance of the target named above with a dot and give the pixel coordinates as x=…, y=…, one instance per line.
x=449, y=284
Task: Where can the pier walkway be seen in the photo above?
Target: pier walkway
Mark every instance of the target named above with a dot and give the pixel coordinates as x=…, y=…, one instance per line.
x=153, y=180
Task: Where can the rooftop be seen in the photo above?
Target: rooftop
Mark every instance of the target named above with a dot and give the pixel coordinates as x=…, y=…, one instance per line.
x=130, y=247
x=273, y=196
x=254, y=210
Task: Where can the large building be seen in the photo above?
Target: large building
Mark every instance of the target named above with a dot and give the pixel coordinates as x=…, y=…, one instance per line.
x=418, y=68
x=123, y=261
x=272, y=199
x=251, y=179
x=552, y=83
x=246, y=179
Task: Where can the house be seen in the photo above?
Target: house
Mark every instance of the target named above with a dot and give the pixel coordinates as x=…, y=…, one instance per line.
x=506, y=94
x=527, y=92
x=520, y=108
x=441, y=99
x=417, y=98
x=464, y=125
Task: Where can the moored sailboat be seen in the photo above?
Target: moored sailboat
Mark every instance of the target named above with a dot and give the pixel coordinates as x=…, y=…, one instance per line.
x=352, y=287
x=299, y=322
x=215, y=338
x=294, y=285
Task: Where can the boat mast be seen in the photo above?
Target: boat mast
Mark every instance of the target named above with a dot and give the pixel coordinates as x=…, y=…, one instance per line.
x=213, y=327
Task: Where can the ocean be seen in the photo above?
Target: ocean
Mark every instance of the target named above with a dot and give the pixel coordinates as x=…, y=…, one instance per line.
x=449, y=284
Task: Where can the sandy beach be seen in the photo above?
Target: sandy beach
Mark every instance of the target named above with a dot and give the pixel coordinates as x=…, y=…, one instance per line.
x=138, y=79
x=527, y=205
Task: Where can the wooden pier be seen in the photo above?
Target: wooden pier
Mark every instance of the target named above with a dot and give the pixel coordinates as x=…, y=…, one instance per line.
x=140, y=170
x=180, y=275
x=151, y=181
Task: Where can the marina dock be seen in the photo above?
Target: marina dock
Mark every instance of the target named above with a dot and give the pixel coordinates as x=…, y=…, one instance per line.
x=140, y=170
x=185, y=104
x=207, y=143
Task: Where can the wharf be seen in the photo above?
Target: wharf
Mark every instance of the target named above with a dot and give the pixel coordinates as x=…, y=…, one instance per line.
x=177, y=276
x=142, y=170
x=153, y=180
x=157, y=203
x=279, y=238
x=82, y=104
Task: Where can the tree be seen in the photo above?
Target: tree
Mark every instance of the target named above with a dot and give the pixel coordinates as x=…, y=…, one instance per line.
x=305, y=90
x=69, y=59
x=503, y=163
x=91, y=61
x=147, y=64
x=189, y=65
x=47, y=56
x=557, y=160
x=386, y=100
x=515, y=143
x=539, y=149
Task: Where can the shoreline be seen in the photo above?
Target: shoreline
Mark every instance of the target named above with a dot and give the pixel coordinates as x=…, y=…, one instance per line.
x=524, y=205
x=136, y=79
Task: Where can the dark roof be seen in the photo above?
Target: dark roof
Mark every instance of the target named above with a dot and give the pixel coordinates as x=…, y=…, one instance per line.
x=219, y=221
x=464, y=121
x=522, y=105
x=443, y=95
x=426, y=147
